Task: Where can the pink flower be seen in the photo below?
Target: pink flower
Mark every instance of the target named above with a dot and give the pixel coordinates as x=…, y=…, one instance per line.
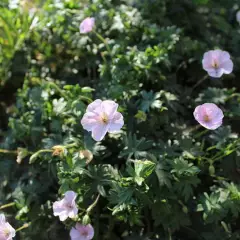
x=217, y=62
x=209, y=115
x=81, y=232
x=102, y=117
x=87, y=25
x=7, y=232
x=66, y=207
x=238, y=16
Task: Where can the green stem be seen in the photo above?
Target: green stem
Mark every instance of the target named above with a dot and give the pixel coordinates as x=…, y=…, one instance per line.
x=89, y=100
x=199, y=82
x=44, y=150
x=97, y=224
x=58, y=89
x=70, y=145
x=7, y=205
x=169, y=234
x=26, y=225
x=232, y=96
x=102, y=39
x=110, y=228
x=8, y=151
x=201, y=133
x=90, y=208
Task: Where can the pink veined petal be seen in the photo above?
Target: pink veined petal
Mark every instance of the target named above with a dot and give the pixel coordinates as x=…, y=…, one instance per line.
x=85, y=229
x=11, y=230
x=224, y=56
x=215, y=73
x=209, y=109
x=207, y=61
x=116, y=123
x=217, y=116
x=227, y=66
x=75, y=234
x=63, y=216
x=198, y=113
x=214, y=113
x=87, y=25
x=212, y=125
x=70, y=196
x=216, y=54
x=2, y=218
x=2, y=234
x=58, y=207
x=94, y=105
x=238, y=17
x=89, y=120
x=73, y=213
x=99, y=131
x=109, y=107
x=90, y=231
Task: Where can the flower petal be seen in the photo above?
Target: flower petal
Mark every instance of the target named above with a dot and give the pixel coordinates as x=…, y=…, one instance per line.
x=90, y=231
x=109, y=107
x=2, y=218
x=213, y=112
x=215, y=73
x=11, y=230
x=99, y=131
x=87, y=25
x=73, y=213
x=227, y=66
x=89, y=120
x=75, y=234
x=63, y=216
x=116, y=123
x=94, y=105
x=70, y=196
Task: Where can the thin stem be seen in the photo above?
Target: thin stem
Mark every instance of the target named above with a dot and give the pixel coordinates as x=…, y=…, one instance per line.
x=110, y=228
x=8, y=151
x=58, y=89
x=192, y=129
x=201, y=133
x=7, y=205
x=89, y=100
x=169, y=234
x=90, y=208
x=44, y=150
x=26, y=225
x=97, y=224
x=199, y=82
x=102, y=39
x=70, y=145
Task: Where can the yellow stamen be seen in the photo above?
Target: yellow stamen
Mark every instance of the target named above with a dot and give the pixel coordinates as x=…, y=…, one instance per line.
x=104, y=118
x=206, y=118
x=6, y=232
x=215, y=64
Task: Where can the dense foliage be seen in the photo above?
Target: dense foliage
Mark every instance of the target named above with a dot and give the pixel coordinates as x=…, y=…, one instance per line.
x=163, y=176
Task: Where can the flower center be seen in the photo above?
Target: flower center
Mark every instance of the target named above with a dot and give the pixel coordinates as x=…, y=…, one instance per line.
x=215, y=64
x=84, y=233
x=104, y=118
x=6, y=232
x=206, y=118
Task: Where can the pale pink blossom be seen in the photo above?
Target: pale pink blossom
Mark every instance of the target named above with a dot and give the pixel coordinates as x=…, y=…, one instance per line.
x=209, y=115
x=217, y=63
x=102, y=117
x=87, y=25
x=7, y=232
x=66, y=208
x=238, y=16
x=81, y=232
